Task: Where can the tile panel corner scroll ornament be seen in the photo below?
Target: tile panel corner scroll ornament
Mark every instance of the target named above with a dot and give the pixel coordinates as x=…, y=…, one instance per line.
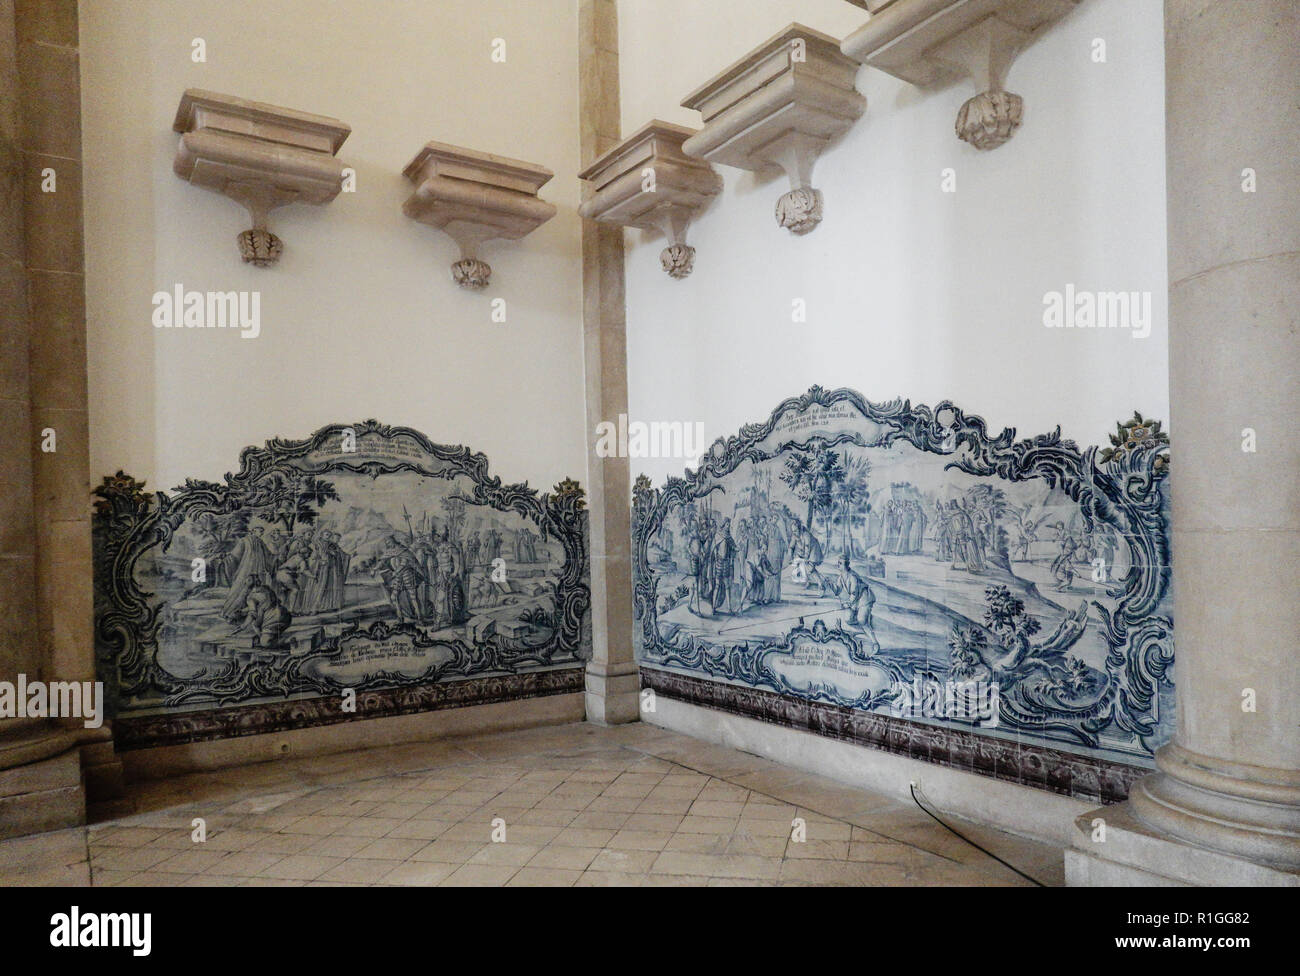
x=365, y=557
x=847, y=554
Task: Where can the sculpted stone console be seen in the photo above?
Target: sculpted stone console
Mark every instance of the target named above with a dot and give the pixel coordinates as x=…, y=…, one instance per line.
x=929, y=42
x=259, y=155
x=779, y=106
x=647, y=181
x=475, y=197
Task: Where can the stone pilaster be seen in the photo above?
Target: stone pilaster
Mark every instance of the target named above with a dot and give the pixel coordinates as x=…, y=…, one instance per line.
x=1225, y=805
x=612, y=682
x=19, y=651
x=40, y=776
x=45, y=542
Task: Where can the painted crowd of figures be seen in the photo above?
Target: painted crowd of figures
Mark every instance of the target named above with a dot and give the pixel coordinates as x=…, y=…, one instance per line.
x=905, y=523
x=735, y=565
x=736, y=572
x=273, y=580
x=305, y=573
x=435, y=577
x=966, y=530
x=431, y=577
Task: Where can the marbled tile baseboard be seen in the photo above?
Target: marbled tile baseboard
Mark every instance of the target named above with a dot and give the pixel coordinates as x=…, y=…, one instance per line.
x=177, y=728
x=1069, y=774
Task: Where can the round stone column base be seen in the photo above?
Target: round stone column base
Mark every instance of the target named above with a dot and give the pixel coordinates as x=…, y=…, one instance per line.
x=1252, y=812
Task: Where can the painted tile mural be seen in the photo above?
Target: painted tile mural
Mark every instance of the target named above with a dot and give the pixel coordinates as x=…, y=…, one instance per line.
x=365, y=557
x=898, y=576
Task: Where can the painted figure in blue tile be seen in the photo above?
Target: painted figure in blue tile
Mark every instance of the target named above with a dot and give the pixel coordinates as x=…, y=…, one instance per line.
x=856, y=597
x=808, y=550
x=264, y=616
x=403, y=580
x=698, y=551
x=773, y=531
x=757, y=568
x=492, y=545
x=967, y=543
x=1063, y=564
x=292, y=575
x=724, y=569
x=252, y=558
x=451, y=582
x=1026, y=530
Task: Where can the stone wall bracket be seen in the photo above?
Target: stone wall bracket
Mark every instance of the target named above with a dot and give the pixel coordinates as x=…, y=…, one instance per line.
x=475, y=197
x=261, y=156
x=779, y=107
x=646, y=181
x=934, y=42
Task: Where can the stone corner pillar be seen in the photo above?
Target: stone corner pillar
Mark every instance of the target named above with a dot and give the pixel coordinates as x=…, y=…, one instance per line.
x=613, y=680
x=1224, y=807
x=48, y=766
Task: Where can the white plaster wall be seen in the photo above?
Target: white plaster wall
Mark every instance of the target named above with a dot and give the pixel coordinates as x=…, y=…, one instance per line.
x=911, y=292
x=361, y=318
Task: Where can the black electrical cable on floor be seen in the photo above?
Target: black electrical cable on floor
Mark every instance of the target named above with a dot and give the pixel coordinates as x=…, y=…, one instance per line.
x=971, y=842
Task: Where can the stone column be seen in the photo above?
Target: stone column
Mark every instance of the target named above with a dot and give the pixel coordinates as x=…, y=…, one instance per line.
x=1225, y=805
x=612, y=679
x=46, y=594
x=40, y=773
x=50, y=86
x=19, y=652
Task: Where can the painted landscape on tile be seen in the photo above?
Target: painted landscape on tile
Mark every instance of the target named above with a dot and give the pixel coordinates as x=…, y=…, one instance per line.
x=364, y=557
x=901, y=560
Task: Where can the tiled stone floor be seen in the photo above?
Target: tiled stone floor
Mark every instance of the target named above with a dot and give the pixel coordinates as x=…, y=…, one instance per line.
x=582, y=805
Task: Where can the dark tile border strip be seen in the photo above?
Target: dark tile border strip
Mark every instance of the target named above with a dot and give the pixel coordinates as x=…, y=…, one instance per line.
x=1080, y=777
x=177, y=728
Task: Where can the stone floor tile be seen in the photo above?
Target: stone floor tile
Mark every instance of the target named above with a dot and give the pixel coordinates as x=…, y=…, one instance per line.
x=300, y=867
x=417, y=873
x=624, y=862
x=609, y=879
x=392, y=848
x=358, y=870
x=480, y=875
x=529, y=877
x=564, y=857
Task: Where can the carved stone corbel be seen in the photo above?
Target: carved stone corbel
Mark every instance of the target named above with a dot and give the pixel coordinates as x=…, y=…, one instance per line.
x=475, y=197
x=647, y=181
x=261, y=156
x=779, y=106
x=931, y=42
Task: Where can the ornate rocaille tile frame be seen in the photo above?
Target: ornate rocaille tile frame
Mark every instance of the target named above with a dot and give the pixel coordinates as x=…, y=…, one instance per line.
x=273, y=691
x=1052, y=733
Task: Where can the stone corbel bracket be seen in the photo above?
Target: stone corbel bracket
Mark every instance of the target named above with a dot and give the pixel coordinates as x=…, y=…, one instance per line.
x=647, y=181
x=262, y=156
x=779, y=106
x=933, y=42
x=475, y=197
